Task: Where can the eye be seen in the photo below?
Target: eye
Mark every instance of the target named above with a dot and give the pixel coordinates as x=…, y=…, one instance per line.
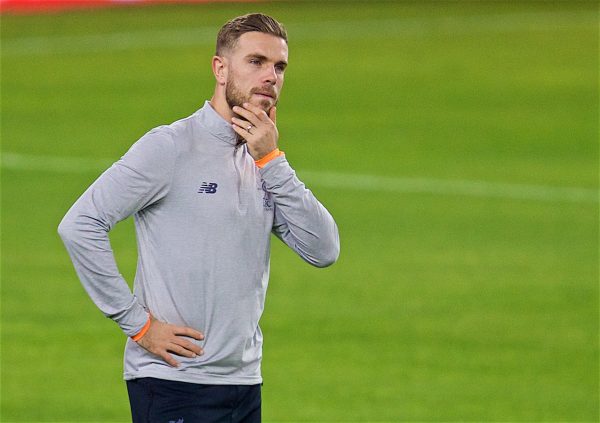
x=255, y=62
x=279, y=68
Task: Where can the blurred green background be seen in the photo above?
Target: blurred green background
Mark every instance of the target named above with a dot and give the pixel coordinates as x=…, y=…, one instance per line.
x=456, y=144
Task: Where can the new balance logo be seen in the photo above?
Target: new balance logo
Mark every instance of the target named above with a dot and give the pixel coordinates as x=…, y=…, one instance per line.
x=208, y=188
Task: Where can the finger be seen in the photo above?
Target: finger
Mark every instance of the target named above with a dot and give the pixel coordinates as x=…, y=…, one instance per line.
x=169, y=359
x=273, y=114
x=181, y=351
x=258, y=112
x=186, y=331
x=247, y=114
x=196, y=349
x=242, y=132
x=241, y=123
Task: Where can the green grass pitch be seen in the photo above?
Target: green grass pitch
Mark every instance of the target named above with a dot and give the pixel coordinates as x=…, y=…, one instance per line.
x=447, y=139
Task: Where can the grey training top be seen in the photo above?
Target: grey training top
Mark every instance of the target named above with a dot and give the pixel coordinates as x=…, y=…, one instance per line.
x=203, y=216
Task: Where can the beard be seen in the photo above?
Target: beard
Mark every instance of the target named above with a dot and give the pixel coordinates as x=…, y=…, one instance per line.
x=235, y=97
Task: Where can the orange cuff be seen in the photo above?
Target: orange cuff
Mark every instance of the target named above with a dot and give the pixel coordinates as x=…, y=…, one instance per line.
x=266, y=159
x=141, y=333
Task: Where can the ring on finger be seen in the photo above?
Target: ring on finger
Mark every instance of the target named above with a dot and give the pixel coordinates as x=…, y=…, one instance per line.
x=248, y=128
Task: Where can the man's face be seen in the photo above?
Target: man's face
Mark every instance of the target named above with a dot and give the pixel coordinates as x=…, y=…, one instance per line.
x=256, y=68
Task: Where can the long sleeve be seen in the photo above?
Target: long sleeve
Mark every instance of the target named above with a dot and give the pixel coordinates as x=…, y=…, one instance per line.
x=138, y=180
x=300, y=219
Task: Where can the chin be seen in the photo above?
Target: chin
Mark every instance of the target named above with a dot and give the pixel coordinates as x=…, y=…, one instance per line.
x=262, y=102
x=265, y=105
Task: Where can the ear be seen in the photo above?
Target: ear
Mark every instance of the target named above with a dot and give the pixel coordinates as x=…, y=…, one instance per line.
x=219, y=68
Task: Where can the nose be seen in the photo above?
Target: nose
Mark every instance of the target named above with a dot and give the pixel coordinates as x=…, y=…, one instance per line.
x=270, y=76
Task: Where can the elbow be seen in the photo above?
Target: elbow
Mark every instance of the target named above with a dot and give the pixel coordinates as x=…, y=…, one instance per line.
x=330, y=250
x=325, y=262
x=67, y=229
x=328, y=257
x=77, y=225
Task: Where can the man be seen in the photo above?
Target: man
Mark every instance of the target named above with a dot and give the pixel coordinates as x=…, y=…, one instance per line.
x=205, y=192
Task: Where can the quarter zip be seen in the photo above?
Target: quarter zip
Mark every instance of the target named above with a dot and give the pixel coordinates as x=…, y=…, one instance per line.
x=239, y=153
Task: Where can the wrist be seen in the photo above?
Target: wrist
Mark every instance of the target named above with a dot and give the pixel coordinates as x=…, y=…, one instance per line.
x=143, y=331
x=268, y=157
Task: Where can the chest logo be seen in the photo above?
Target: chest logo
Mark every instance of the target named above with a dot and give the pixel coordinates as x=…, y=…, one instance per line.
x=208, y=188
x=267, y=202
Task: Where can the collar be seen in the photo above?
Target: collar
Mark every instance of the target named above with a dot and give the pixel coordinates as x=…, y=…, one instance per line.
x=216, y=125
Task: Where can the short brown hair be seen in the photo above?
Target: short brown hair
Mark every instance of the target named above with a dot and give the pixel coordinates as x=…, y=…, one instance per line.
x=252, y=22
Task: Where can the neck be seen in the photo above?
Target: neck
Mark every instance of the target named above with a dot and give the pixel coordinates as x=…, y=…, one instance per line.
x=220, y=105
x=222, y=108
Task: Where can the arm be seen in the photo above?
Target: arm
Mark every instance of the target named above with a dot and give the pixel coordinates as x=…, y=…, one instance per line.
x=300, y=221
x=139, y=180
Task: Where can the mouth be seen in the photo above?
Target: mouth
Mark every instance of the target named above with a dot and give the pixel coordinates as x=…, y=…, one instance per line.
x=265, y=94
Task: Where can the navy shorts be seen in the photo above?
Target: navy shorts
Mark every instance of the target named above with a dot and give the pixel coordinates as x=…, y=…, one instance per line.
x=164, y=401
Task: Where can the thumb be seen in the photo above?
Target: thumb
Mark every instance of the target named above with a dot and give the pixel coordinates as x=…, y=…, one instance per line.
x=273, y=114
